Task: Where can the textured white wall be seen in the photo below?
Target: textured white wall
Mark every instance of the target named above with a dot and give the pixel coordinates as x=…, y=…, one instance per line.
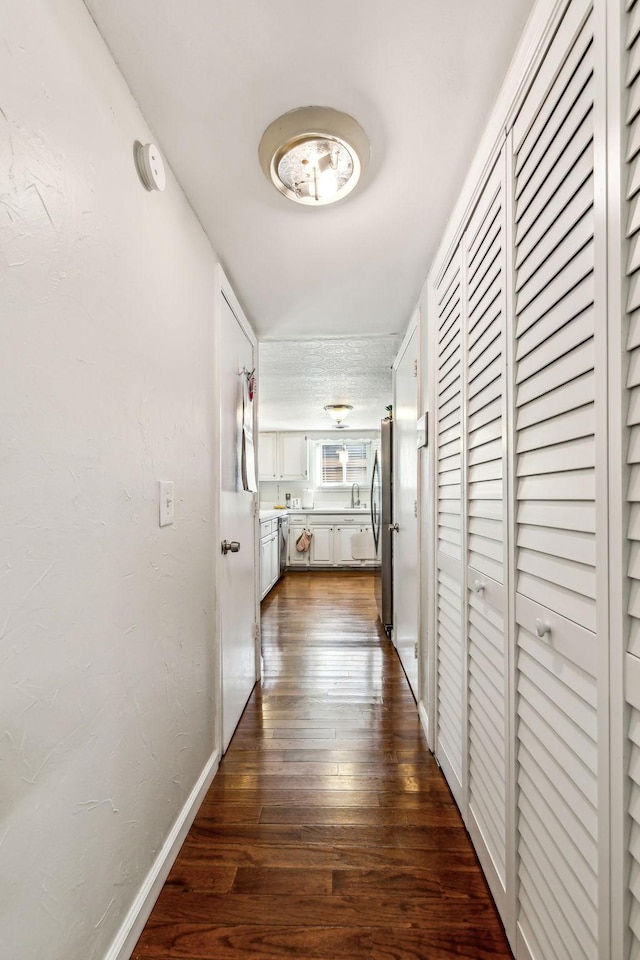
x=106, y=623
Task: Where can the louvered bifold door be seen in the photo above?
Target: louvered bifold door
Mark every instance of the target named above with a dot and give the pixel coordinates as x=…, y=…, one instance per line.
x=632, y=664
x=558, y=442
x=449, y=629
x=486, y=462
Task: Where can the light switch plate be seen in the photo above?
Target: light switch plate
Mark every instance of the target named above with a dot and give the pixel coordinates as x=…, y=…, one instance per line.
x=166, y=502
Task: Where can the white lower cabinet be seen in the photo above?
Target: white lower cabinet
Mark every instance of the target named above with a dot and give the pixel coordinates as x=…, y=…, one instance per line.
x=332, y=543
x=269, y=556
x=321, y=551
x=295, y=559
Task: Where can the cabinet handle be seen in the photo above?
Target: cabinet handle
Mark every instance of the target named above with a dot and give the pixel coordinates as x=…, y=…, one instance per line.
x=542, y=629
x=478, y=586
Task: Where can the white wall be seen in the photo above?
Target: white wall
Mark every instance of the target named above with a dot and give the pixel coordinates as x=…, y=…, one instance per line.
x=106, y=623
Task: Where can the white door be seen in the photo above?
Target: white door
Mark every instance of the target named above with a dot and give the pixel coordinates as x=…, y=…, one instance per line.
x=485, y=543
x=237, y=572
x=405, y=499
x=560, y=505
x=631, y=220
x=449, y=634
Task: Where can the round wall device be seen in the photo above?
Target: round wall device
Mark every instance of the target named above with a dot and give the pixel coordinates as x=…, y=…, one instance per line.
x=150, y=166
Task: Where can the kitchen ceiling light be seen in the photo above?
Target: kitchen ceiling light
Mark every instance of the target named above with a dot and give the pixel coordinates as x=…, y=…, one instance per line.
x=338, y=412
x=314, y=155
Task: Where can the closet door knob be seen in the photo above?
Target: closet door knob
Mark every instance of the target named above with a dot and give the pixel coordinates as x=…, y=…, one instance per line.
x=478, y=586
x=542, y=629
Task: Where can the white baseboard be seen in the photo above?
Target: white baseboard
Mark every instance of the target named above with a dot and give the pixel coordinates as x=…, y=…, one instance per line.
x=424, y=720
x=133, y=924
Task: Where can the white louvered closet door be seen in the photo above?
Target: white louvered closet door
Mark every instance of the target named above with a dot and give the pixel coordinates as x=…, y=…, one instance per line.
x=632, y=660
x=557, y=556
x=486, y=468
x=449, y=629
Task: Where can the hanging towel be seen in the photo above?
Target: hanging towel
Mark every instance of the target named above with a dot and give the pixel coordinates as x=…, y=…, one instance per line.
x=304, y=541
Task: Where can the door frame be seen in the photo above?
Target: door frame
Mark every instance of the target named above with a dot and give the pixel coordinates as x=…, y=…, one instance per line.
x=224, y=291
x=413, y=329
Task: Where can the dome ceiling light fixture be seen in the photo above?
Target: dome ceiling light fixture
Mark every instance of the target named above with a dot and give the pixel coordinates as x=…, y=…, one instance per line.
x=338, y=412
x=314, y=155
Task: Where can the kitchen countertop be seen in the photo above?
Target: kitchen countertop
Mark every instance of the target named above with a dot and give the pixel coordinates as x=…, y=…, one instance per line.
x=266, y=514
x=269, y=514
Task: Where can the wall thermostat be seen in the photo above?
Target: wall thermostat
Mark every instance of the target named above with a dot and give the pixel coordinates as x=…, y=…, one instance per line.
x=150, y=166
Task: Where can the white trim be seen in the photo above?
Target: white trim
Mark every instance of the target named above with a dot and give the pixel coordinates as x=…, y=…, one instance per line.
x=464, y=513
x=424, y=721
x=511, y=671
x=452, y=781
x=411, y=329
x=522, y=951
x=491, y=875
x=133, y=924
x=224, y=290
x=532, y=46
x=618, y=478
x=602, y=413
x=432, y=434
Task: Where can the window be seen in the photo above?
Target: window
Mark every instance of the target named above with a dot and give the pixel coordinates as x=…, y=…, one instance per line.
x=341, y=464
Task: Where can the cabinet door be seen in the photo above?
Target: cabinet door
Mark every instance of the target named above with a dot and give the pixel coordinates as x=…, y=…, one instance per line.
x=293, y=460
x=449, y=568
x=267, y=456
x=367, y=531
x=486, y=467
x=265, y=566
x=342, y=546
x=297, y=559
x=275, y=557
x=560, y=539
x=321, y=546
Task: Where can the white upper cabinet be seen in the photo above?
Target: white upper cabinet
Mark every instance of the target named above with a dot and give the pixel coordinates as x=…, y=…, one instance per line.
x=293, y=456
x=268, y=456
x=283, y=456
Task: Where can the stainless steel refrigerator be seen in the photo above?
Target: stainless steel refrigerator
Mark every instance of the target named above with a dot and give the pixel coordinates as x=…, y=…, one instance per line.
x=381, y=521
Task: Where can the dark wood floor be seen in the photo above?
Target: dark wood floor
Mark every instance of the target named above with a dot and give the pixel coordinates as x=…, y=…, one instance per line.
x=328, y=832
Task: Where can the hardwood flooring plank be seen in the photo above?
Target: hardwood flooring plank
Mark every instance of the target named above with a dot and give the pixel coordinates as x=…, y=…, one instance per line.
x=199, y=941
x=278, y=881
x=373, y=910
x=434, y=814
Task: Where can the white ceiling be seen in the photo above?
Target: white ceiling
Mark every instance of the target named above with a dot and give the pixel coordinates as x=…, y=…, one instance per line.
x=419, y=75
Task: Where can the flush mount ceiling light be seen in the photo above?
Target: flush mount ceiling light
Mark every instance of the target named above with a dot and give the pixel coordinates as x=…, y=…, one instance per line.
x=338, y=412
x=314, y=155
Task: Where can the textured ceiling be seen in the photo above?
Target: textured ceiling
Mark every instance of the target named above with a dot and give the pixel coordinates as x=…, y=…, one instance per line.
x=298, y=378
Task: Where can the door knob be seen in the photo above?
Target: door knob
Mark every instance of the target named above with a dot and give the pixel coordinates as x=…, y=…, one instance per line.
x=542, y=629
x=394, y=526
x=478, y=586
x=230, y=546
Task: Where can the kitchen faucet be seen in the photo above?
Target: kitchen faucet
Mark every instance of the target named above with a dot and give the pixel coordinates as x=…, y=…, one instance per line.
x=354, y=487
